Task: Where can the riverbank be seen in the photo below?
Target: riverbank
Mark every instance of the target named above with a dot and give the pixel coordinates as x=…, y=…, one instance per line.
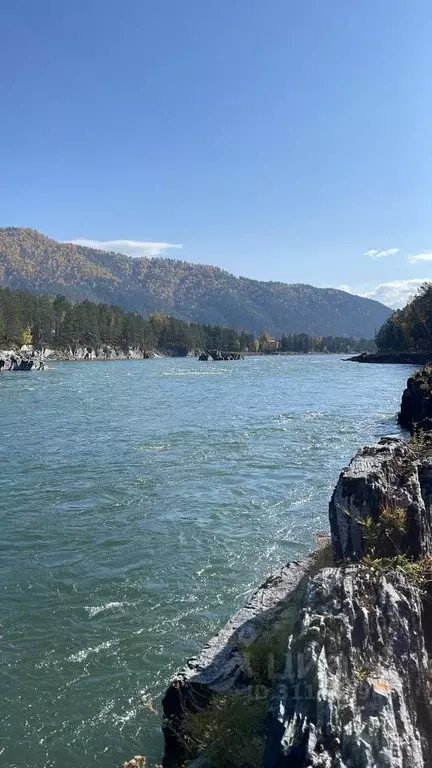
x=27, y=358
x=328, y=662
x=394, y=358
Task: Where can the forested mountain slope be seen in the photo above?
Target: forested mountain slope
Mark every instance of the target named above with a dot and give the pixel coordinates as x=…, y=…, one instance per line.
x=195, y=292
x=409, y=329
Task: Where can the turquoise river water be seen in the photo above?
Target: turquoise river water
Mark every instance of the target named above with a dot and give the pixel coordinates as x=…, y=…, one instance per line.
x=140, y=504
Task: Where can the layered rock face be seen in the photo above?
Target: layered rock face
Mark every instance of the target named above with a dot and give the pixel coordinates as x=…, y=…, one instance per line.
x=356, y=689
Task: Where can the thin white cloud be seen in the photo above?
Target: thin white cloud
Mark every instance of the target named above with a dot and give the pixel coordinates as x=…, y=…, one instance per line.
x=396, y=293
x=377, y=254
x=136, y=248
x=343, y=287
x=420, y=257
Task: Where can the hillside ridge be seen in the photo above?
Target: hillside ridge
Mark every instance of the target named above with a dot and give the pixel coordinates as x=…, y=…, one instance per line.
x=29, y=260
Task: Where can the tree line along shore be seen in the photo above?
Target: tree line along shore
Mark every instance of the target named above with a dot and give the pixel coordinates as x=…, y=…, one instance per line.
x=43, y=322
x=406, y=337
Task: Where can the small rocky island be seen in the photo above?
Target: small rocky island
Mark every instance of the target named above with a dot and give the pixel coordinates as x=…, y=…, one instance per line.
x=217, y=355
x=21, y=361
x=328, y=665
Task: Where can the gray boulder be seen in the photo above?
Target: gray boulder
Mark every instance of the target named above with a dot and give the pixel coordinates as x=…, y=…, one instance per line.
x=381, y=477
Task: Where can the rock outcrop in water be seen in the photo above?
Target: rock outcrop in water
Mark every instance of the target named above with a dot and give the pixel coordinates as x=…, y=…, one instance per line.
x=216, y=355
x=29, y=359
x=348, y=633
x=416, y=405
x=11, y=361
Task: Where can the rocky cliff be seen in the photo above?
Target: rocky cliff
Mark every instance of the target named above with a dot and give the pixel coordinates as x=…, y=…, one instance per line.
x=356, y=692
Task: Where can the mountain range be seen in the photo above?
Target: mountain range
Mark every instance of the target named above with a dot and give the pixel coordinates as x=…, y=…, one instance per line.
x=196, y=292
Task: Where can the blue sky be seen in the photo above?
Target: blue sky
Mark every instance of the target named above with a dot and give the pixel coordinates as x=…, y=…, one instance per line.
x=278, y=139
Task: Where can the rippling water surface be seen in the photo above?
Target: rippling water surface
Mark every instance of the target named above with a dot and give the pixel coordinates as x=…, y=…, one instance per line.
x=141, y=502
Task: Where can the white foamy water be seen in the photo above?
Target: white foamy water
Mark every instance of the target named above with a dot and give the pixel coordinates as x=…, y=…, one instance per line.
x=85, y=653
x=94, y=610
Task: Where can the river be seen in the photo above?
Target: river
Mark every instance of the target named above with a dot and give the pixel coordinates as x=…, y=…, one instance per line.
x=141, y=503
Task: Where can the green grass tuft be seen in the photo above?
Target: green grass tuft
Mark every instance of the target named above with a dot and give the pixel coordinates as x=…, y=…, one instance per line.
x=230, y=731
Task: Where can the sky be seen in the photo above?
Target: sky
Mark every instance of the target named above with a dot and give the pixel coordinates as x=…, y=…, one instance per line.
x=278, y=139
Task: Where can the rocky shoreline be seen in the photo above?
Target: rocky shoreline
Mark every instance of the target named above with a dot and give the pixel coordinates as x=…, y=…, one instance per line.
x=14, y=361
x=333, y=651
x=394, y=358
x=27, y=359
